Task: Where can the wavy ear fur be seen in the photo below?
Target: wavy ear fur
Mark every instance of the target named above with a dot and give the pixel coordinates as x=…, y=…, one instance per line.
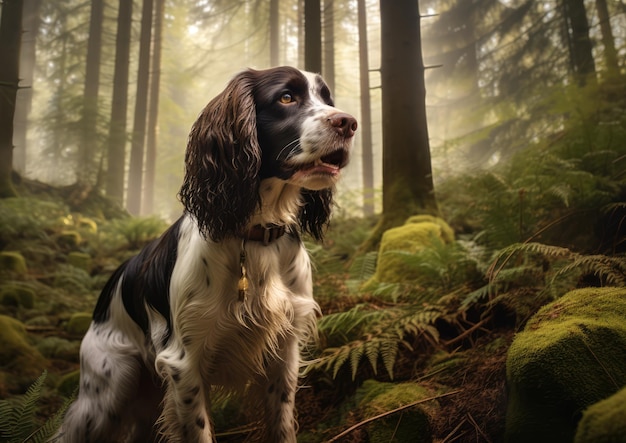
x=222, y=162
x=315, y=212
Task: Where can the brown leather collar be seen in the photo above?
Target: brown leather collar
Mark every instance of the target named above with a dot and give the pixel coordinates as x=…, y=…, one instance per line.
x=265, y=234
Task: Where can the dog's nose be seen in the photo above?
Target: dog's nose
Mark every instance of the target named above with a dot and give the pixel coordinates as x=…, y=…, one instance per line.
x=343, y=123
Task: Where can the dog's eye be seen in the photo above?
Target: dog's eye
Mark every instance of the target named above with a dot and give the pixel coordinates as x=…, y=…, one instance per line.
x=286, y=98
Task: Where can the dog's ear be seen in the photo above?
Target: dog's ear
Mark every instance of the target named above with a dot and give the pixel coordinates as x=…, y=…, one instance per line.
x=223, y=160
x=315, y=212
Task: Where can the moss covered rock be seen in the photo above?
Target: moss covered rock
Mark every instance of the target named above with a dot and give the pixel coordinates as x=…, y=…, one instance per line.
x=418, y=233
x=68, y=383
x=17, y=355
x=17, y=295
x=570, y=356
x=447, y=233
x=78, y=323
x=69, y=239
x=59, y=348
x=80, y=260
x=605, y=421
x=412, y=425
x=13, y=261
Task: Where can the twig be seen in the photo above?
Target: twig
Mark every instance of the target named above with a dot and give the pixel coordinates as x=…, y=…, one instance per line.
x=480, y=431
x=393, y=411
x=467, y=332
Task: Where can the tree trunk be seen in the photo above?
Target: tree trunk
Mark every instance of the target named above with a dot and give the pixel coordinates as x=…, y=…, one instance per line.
x=10, y=41
x=274, y=32
x=407, y=174
x=312, y=36
x=153, y=112
x=580, y=44
x=610, y=53
x=301, y=33
x=116, y=151
x=329, y=44
x=23, y=105
x=135, y=170
x=365, y=126
x=87, y=147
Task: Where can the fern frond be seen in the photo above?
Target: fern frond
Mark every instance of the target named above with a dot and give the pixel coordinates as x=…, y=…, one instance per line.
x=388, y=351
x=346, y=322
x=43, y=434
x=371, y=349
x=481, y=294
x=339, y=359
x=18, y=417
x=364, y=266
x=610, y=270
x=355, y=359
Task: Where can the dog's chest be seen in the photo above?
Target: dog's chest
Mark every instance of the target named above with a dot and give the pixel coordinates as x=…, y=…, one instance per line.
x=249, y=328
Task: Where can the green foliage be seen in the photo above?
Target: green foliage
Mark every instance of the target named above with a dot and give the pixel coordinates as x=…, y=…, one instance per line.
x=72, y=279
x=16, y=294
x=136, y=231
x=28, y=218
x=78, y=323
x=12, y=261
x=367, y=332
x=553, y=269
x=17, y=417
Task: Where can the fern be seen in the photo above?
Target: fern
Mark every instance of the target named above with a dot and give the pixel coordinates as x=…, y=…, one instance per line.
x=17, y=417
x=363, y=268
x=382, y=333
x=554, y=269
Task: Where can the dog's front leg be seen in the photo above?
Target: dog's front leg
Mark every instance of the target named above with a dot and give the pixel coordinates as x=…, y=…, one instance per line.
x=185, y=415
x=276, y=393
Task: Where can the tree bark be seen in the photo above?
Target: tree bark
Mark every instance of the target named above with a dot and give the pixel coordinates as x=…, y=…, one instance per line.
x=116, y=150
x=274, y=32
x=153, y=112
x=10, y=42
x=365, y=126
x=610, y=53
x=23, y=106
x=328, y=64
x=135, y=169
x=312, y=36
x=407, y=175
x=87, y=148
x=580, y=43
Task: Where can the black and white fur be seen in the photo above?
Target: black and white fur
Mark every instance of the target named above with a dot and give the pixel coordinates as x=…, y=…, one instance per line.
x=170, y=326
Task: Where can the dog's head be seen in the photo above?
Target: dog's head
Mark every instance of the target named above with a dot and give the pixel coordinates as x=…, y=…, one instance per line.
x=275, y=123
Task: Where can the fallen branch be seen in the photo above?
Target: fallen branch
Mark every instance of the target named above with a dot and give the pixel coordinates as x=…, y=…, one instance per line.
x=393, y=411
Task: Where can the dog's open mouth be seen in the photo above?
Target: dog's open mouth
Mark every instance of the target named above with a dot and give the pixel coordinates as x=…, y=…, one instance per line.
x=328, y=164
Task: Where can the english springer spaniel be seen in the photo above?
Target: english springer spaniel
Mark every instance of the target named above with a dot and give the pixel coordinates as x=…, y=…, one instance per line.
x=223, y=299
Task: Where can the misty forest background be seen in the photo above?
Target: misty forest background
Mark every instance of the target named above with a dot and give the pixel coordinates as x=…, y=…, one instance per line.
x=501, y=121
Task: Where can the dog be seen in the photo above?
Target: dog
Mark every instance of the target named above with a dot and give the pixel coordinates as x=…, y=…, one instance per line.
x=222, y=301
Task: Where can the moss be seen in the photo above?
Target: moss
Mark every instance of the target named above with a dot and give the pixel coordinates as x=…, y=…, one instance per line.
x=78, y=324
x=413, y=424
x=59, y=348
x=87, y=225
x=80, y=260
x=570, y=356
x=13, y=261
x=69, y=239
x=16, y=295
x=605, y=421
x=17, y=355
x=447, y=233
x=411, y=237
x=68, y=384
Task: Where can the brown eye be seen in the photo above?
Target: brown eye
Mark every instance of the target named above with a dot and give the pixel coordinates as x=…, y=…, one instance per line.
x=286, y=98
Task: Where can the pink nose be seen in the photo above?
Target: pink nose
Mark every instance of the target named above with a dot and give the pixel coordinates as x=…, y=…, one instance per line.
x=343, y=123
